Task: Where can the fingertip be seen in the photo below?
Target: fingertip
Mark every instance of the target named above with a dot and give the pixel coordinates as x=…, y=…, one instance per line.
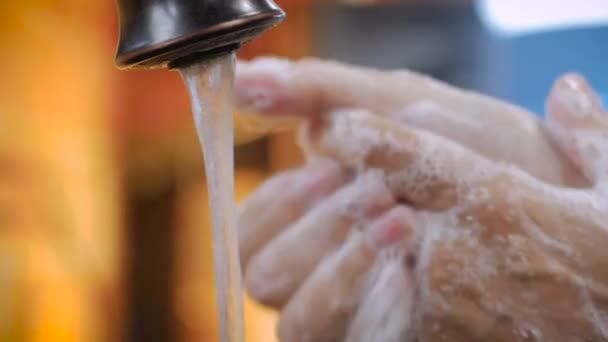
x=575, y=80
x=262, y=84
x=263, y=285
x=255, y=281
x=579, y=125
x=397, y=225
x=370, y=197
x=572, y=102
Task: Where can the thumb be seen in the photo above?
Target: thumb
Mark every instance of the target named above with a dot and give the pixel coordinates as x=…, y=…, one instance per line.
x=579, y=126
x=421, y=168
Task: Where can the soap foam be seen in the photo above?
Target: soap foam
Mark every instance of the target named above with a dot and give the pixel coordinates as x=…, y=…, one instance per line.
x=384, y=315
x=428, y=159
x=431, y=160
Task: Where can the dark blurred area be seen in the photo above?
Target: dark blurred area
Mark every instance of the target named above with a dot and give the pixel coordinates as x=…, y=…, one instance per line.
x=451, y=41
x=104, y=225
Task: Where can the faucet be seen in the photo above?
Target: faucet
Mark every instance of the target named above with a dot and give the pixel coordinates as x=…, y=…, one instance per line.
x=176, y=33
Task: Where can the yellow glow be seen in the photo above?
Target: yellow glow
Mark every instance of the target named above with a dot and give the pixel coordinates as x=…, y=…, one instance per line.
x=57, y=316
x=61, y=190
x=250, y=126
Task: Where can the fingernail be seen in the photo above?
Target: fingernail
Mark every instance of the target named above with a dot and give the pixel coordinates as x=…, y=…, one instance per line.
x=259, y=83
x=575, y=96
x=394, y=226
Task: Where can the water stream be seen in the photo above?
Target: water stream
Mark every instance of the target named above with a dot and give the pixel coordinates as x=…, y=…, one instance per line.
x=210, y=85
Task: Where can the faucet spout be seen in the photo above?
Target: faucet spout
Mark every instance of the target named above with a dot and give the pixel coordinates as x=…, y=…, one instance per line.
x=173, y=33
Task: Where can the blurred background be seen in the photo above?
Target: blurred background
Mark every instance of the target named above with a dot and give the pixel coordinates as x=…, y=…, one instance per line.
x=104, y=226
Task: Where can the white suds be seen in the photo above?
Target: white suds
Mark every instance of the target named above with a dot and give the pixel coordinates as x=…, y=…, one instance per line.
x=385, y=312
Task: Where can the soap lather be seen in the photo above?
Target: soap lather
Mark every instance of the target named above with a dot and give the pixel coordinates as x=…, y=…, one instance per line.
x=175, y=33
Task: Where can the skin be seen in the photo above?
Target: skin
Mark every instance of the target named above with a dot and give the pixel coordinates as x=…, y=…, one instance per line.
x=403, y=228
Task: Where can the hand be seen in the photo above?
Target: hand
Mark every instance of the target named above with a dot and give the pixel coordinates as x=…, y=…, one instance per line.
x=495, y=254
x=274, y=214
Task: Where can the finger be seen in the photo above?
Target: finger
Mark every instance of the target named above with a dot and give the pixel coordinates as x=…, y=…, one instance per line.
x=493, y=137
x=313, y=87
x=579, y=125
x=323, y=306
x=420, y=168
x=386, y=312
x=281, y=201
x=277, y=271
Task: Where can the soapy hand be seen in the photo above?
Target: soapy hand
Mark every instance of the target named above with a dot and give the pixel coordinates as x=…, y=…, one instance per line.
x=312, y=88
x=490, y=252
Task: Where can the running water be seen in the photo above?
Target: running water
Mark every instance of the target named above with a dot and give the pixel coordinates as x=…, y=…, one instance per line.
x=210, y=85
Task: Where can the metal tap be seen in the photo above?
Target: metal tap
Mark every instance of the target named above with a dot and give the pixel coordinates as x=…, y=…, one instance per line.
x=174, y=33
